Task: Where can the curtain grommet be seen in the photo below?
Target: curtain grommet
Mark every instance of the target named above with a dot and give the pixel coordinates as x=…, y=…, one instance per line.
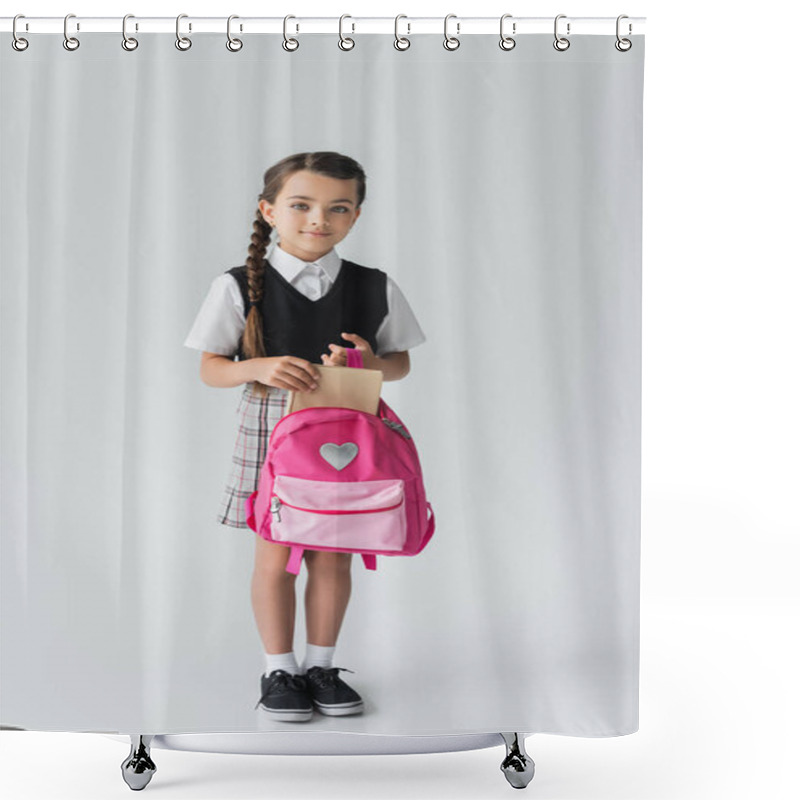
x=70, y=42
x=561, y=43
x=290, y=44
x=507, y=42
x=622, y=44
x=401, y=42
x=233, y=44
x=129, y=43
x=345, y=42
x=451, y=42
x=18, y=42
x=183, y=43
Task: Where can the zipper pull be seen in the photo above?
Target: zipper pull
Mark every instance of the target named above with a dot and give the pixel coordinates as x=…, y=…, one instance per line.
x=275, y=508
x=396, y=427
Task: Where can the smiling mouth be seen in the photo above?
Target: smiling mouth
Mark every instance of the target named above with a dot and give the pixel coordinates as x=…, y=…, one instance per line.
x=316, y=233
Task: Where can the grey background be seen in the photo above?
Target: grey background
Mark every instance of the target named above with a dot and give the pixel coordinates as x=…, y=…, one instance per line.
x=504, y=196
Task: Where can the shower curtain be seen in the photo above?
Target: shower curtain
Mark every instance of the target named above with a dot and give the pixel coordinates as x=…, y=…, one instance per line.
x=503, y=200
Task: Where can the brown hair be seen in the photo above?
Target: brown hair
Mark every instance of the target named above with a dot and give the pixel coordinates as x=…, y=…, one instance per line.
x=328, y=163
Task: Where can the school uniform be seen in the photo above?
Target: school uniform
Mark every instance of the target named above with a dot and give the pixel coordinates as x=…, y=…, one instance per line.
x=305, y=306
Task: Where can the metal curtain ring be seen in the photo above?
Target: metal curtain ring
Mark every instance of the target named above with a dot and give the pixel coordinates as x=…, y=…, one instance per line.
x=234, y=45
x=128, y=42
x=507, y=42
x=182, y=42
x=70, y=42
x=400, y=42
x=623, y=45
x=561, y=43
x=345, y=42
x=18, y=43
x=289, y=44
x=451, y=42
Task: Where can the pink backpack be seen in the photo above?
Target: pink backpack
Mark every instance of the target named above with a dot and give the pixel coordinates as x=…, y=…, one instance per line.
x=343, y=480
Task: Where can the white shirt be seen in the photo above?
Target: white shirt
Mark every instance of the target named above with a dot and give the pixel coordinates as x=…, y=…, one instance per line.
x=219, y=324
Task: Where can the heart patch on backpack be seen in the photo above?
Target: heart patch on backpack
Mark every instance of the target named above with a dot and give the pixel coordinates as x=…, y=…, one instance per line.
x=339, y=455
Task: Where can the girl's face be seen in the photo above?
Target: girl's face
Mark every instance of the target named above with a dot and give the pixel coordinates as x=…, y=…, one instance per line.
x=312, y=213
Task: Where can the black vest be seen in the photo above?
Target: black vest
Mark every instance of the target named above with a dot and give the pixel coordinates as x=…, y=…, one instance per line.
x=296, y=326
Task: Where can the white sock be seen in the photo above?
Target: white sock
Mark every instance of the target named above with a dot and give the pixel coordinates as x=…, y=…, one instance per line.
x=317, y=656
x=284, y=661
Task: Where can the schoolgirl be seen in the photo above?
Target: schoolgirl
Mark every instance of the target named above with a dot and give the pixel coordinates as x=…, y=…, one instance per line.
x=296, y=303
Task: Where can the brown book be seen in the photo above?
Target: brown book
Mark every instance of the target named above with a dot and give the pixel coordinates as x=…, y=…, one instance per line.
x=342, y=387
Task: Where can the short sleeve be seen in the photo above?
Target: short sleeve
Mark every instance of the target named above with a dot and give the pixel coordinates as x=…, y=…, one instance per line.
x=219, y=324
x=399, y=330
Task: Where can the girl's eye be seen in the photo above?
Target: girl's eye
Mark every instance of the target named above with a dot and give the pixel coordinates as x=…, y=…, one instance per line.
x=338, y=209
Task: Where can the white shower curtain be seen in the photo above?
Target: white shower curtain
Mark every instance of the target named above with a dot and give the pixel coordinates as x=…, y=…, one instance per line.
x=503, y=197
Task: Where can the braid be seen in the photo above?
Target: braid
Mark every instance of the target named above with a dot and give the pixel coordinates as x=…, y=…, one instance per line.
x=253, y=336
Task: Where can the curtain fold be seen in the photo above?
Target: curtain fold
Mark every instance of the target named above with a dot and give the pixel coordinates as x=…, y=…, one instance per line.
x=503, y=197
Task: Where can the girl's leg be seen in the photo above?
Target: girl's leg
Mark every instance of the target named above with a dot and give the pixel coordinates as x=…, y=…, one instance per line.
x=327, y=593
x=273, y=596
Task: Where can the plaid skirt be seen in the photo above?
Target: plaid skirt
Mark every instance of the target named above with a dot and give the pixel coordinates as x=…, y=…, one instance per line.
x=257, y=417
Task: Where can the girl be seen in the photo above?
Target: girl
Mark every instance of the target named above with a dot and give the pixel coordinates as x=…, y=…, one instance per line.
x=266, y=325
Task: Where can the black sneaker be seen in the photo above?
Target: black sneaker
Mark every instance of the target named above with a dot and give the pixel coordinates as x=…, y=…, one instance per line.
x=330, y=694
x=285, y=696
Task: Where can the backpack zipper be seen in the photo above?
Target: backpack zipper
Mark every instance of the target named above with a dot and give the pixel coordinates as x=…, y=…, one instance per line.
x=276, y=503
x=396, y=427
x=275, y=508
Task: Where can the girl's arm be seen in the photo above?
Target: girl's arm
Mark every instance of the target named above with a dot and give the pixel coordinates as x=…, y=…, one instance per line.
x=393, y=365
x=217, y=370
x=284, y=372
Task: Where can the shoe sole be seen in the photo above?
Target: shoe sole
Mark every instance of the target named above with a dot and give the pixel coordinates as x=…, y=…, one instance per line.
x=340, y=710
x=287, y=715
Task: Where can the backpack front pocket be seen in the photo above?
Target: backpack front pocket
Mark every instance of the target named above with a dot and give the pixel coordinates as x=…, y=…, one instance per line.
x=340, y=515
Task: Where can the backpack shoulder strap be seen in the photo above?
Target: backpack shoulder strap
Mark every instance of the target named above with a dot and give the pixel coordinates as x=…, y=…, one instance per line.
x=295, y=559
x=429, y=530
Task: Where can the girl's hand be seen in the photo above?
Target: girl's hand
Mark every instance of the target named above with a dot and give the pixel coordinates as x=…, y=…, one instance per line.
x=339, y=357
x=285, y=372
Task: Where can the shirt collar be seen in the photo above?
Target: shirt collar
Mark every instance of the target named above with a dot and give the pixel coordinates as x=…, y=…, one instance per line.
x=291, y=266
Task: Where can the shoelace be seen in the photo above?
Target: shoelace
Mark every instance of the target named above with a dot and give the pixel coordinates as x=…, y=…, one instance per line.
x=327, y=676
x=283, y=679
